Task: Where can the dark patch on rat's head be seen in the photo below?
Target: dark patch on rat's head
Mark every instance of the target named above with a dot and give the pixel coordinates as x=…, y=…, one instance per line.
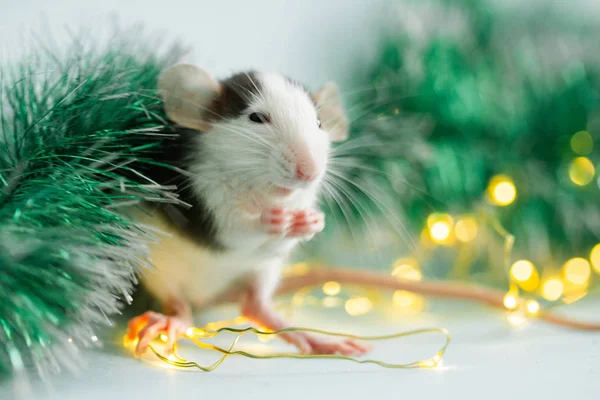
x=237, y=92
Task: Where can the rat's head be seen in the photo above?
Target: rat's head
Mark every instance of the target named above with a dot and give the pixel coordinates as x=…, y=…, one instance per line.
x=261, y=127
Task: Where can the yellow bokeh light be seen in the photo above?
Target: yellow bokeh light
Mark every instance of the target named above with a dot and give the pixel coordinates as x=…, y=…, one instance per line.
x=331, y=302
x=406, y=271
x=581, y=171
x=164, y=337
x=516, y=318
x=522, y=270
x=440, y=231
x=466, y=229
x=510, y=301
x=595, y=257
x=331, y=288
x=358, y=306
x=502, y=190
x=525, y=274
x=408, y=303
x=577, y=271
x=572, y=298
x=552, y=289
x=403, y=298
x=435, y=361
x=440, y=227
x=582, y=143
x=533, y=307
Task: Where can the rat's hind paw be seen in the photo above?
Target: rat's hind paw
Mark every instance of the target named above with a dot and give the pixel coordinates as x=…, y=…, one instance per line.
x=345, y=347
x=312, y=344
x=147, y=326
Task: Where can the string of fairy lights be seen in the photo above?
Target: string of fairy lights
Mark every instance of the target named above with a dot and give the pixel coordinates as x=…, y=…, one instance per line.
x=569, y=284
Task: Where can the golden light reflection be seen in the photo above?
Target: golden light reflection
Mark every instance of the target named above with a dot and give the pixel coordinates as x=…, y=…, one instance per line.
x=331, y=288
x=358, y=305
x=552, y=289
x=577, y=271
x=581, y=171
x=502, y=190
x=466, y=229
x=582, y=143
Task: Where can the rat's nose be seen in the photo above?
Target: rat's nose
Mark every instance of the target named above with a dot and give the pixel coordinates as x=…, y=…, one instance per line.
x=306, y=171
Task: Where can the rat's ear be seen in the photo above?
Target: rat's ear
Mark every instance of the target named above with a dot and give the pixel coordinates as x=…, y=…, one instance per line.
x=187, y=92
x=331, y=112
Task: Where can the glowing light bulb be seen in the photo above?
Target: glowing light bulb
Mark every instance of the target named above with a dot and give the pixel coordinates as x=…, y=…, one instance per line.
x=189, y=332
x=331, y=302
x=164, y=337
x=405, y=270
x=533, y=307
x=440, y=231
x=299, y=269
x=525, y=274
x=510, y=301
x=552, y=289
x=403, y=298
x=581, y=171
x=466, y=229
x=595, y=257
x=358, y=306
x=582, y=143
x=502, y=190
x=516, y=318
x=331, y=288
x=440, y=227
x=522, y=270
x=70, y=340
x=577, y=271
x=435, y=361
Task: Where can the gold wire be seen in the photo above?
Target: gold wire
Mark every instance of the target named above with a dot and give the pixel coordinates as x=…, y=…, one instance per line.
x=199, y=332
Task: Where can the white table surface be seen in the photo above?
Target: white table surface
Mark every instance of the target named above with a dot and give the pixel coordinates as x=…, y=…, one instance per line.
x=486, y=359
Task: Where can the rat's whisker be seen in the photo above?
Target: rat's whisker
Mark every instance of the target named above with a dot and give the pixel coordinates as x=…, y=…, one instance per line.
x=345, y=209
x=359, y=208
x=377, y=202
x=422, y=193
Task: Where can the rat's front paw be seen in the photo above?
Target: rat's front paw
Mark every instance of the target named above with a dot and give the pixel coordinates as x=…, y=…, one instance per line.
x=302, y=224
x=306, y=224
x=277, y=221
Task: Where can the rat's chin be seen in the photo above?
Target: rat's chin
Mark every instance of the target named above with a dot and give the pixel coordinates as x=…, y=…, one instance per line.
x=281, y=191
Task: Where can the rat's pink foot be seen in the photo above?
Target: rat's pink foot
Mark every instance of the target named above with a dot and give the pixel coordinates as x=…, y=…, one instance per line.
x=308, y=343
x=147, y=326
x=299, y=223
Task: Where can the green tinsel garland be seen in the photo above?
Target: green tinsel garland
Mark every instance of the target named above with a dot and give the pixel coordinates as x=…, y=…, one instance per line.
x=462, y=91
x=71, y=124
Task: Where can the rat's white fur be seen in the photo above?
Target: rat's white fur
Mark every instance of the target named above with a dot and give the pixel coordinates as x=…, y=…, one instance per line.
x=243, y=163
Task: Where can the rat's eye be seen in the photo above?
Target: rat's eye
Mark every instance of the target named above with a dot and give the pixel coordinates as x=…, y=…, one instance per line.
x=319, y=123
x=259, y=118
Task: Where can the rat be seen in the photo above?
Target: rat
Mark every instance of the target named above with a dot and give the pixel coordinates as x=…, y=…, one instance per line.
x=248, y=160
